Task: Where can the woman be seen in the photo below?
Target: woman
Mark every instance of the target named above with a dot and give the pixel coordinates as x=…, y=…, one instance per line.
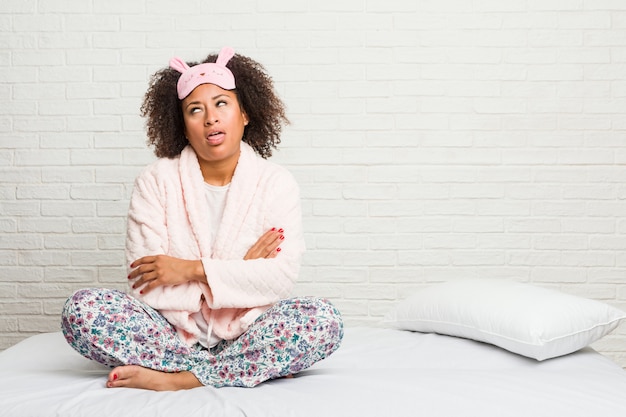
x=214, y=243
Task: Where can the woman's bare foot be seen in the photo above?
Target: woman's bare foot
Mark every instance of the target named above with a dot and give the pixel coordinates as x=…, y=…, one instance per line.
x=133, y=376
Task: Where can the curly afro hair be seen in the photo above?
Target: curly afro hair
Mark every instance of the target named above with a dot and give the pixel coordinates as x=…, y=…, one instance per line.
x=255, y=92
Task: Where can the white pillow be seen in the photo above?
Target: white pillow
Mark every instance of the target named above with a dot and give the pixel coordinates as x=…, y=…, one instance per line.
x=531, y=321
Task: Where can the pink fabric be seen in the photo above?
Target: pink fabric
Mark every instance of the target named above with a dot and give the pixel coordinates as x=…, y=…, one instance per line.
x=208, y=73
x=168, y=215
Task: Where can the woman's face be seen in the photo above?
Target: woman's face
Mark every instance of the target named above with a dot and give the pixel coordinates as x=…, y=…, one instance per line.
x=214, y=125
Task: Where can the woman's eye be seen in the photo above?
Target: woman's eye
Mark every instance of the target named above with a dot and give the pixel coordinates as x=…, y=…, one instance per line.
x=220, y=103
x=194, y=110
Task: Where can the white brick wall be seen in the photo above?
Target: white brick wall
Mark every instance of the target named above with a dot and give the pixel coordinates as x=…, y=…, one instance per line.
x=432, y=140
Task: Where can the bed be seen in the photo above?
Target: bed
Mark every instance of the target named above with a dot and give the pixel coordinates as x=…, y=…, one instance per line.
x=378, y=371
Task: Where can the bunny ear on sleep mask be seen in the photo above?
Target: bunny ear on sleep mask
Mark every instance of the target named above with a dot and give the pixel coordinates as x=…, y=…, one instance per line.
x=208, y=73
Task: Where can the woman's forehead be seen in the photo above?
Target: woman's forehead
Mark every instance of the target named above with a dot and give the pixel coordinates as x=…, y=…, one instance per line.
x=208, y=92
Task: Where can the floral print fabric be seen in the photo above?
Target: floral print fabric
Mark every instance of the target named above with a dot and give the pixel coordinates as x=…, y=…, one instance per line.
x=116, y=329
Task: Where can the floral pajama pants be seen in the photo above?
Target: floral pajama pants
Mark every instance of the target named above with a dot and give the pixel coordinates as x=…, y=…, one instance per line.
x=116, y=329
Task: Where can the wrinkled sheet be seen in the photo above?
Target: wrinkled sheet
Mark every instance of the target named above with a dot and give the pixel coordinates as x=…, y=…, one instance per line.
x=376, y=372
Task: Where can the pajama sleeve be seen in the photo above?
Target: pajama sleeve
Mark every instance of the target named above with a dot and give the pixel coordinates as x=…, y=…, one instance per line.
x=238, y=283
x=147, y=235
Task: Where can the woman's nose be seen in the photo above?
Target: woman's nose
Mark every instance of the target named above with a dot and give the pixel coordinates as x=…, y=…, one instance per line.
x=210, y=119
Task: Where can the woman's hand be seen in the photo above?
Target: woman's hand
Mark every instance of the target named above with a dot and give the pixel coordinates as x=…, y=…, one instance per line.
x=154, y=271
x=268, y=245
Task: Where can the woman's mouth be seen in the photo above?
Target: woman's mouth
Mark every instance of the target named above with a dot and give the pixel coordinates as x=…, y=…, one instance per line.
x=215, y=138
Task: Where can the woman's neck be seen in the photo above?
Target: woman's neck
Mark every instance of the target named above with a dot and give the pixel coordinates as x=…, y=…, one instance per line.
x=218, y=173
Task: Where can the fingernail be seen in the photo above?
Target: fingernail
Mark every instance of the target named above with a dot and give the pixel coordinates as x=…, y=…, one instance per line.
x=114, y=377
x=128, y=276
x=280, y=230
x=273, y=228
x=141, y=292
x=282, y=237
x=278, y=249
x=132, y=265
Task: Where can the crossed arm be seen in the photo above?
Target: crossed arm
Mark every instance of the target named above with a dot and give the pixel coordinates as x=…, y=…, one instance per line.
x=154, y=271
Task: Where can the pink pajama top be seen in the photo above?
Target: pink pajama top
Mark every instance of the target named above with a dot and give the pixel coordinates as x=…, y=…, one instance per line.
x=168, y=215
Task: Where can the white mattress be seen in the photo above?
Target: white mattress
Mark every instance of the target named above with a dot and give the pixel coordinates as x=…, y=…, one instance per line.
x=376, y=372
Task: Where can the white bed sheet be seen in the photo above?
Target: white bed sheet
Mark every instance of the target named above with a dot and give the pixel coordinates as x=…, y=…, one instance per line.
x=376, y=372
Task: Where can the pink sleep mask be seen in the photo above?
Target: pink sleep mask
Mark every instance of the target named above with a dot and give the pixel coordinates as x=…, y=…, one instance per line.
x=209, y=73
